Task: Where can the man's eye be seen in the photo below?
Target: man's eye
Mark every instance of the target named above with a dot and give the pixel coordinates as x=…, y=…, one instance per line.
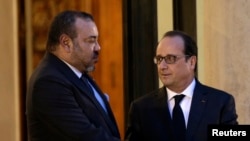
x=170, y=57
x=159, y=58
x=90, y=40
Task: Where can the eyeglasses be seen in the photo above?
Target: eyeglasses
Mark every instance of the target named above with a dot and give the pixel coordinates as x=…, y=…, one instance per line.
x=169, y=59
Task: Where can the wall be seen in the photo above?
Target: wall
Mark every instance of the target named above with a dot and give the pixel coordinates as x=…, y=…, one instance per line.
x=223, y=40
x=9, y=79
x=109, y=69
x=164, y=19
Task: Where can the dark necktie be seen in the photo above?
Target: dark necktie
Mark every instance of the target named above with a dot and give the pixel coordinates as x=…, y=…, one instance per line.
x=178, y=120
x=86, y=81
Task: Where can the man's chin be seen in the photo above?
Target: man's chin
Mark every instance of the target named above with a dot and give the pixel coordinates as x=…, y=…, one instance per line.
x=90, y=68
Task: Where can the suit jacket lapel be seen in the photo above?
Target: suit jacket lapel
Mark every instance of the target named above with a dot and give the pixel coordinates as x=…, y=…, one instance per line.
x=162, y=98
x=80, y=84
x=164, y=113
x=110, y=118
x=72, y=77
x=197, y=109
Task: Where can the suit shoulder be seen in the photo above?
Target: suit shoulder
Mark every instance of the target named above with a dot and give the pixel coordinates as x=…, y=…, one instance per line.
x=149, y=97
x=212, y=91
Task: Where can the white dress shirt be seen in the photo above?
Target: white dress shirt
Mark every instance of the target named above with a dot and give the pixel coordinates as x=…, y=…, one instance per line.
x=186, y=101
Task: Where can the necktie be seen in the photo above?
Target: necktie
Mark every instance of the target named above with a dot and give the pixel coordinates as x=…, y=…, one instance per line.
x=86, y=81
x=99, y=97
x=178, y=120
x=102, y=100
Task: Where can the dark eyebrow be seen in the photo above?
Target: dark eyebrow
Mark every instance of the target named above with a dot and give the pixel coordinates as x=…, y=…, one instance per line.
x=92, y=37
x=166, y=55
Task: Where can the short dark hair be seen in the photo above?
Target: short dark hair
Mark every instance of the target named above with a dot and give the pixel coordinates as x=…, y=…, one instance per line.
x=190, y=46
x=63, y=23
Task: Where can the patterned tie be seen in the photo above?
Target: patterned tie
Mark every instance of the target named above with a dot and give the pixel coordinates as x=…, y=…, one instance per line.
x=178, y=120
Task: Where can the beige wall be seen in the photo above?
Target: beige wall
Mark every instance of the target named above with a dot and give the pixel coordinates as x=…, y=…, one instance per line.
x=9, y=104
x=224, y=49
x=164, y=19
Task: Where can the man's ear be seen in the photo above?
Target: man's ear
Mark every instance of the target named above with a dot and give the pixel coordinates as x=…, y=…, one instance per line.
x=66, y=42
x=193, y=61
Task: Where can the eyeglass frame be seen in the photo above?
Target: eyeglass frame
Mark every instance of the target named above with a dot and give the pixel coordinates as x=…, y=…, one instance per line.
x=158, y=59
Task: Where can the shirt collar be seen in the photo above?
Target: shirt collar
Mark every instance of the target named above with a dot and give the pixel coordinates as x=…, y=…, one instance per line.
x=187, y=92
x=76, y=71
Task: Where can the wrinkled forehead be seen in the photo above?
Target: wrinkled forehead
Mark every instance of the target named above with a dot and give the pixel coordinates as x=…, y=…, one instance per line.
x=170, y=45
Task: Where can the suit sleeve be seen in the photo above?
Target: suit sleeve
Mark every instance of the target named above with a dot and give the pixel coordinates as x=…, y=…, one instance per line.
x=56, y=107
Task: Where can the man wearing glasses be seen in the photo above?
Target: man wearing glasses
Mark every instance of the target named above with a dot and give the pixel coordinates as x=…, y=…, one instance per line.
x=183, y=108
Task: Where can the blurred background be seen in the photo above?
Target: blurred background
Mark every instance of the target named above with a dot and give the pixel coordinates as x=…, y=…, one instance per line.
x=129, y=31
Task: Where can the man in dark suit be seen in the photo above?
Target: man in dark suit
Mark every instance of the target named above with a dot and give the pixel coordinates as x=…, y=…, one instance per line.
x=151, y=117
x=63, y=102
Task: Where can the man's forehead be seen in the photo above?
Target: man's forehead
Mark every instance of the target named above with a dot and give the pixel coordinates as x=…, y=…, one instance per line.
x=86, y=28
x=175, y=41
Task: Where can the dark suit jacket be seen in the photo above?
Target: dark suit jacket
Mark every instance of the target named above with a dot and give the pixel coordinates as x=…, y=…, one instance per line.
x=150, y=120
x=60, y=107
